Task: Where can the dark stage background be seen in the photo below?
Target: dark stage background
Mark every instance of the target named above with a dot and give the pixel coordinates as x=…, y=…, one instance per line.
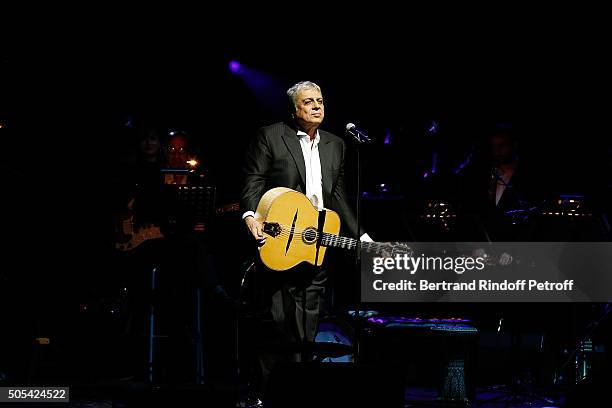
x=63, y=102
x=65, y=99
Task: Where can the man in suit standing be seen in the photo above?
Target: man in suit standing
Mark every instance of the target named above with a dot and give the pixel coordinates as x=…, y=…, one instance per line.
x=502, y=184
x=298, y=155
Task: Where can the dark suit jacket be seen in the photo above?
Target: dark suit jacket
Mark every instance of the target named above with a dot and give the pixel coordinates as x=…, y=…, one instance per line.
x=275, y=159
x=524, y=190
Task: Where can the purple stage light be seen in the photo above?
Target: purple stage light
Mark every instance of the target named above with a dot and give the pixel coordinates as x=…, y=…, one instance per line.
x=467, y=161
x=129, y=123
x=267, y=89
x=434, y=162
x=432, y=127
x=235, y=67
x=388, y=137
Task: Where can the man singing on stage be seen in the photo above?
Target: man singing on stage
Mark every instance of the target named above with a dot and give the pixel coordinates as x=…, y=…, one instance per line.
x=298, y=155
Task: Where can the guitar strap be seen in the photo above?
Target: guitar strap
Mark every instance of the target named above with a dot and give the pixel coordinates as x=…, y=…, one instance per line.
x=322, y=214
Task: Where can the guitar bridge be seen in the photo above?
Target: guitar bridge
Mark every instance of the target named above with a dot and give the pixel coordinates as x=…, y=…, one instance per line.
x=272, y=228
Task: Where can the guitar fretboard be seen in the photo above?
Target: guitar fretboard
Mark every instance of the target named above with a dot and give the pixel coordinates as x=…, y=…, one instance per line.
x=336, y=241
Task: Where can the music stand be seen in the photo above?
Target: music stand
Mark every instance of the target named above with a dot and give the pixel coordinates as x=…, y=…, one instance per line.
x=189, y=206
x=190, y=203
x=199, y=201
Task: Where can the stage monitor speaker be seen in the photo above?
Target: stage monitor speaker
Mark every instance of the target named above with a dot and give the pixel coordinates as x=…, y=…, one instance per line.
x=334, y=385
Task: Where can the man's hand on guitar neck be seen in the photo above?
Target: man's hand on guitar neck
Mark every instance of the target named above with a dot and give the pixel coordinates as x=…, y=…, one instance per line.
x=256, y=229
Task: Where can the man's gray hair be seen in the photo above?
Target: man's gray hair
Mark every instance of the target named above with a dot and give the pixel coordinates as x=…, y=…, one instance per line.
x=295, y=89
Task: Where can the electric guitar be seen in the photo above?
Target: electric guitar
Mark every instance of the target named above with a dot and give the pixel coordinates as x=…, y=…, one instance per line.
x=297, y=232
x=129, y=236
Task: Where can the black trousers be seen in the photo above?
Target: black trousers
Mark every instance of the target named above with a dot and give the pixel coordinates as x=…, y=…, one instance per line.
x=295, y=298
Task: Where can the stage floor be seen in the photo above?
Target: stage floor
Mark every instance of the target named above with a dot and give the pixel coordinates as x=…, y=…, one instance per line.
x=219, y=396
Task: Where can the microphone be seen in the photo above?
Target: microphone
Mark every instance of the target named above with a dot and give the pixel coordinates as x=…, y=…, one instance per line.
x=359, y=135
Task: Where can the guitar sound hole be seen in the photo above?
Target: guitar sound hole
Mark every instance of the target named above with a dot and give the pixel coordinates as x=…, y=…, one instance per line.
x=309, y=235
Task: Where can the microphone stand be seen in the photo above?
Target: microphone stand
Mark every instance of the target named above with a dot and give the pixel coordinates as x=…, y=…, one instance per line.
x=360, y=139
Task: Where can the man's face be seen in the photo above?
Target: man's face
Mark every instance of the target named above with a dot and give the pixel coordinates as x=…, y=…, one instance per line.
x=177, y=152
x=309, y=108
x=502, y=149
x=149, y=146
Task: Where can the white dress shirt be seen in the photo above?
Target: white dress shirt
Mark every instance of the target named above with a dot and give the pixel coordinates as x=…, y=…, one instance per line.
x=504, y=174
x=314, y=177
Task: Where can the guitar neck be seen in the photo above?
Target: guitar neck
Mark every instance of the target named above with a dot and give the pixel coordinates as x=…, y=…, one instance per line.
x=336, y=241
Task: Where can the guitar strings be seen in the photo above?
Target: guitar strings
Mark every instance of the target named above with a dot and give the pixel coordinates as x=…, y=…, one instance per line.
x=285, y=232
x=344, y=242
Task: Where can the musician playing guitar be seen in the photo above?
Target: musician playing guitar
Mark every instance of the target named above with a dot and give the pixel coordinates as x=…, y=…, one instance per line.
x=156, y=231
x=298, y=155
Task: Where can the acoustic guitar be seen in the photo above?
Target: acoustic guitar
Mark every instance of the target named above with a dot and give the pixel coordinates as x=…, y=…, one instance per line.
x=297, y=232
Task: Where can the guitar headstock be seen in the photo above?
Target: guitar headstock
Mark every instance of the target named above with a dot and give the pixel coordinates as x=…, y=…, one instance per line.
x=390, y=249
x=400, y=248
